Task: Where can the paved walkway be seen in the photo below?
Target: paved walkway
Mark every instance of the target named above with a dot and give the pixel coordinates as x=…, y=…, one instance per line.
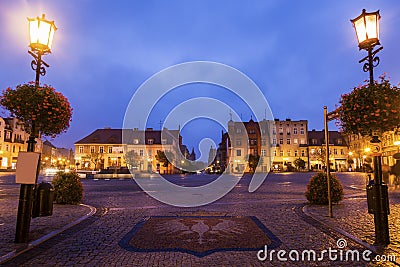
x=64, y=216
x=279, y=205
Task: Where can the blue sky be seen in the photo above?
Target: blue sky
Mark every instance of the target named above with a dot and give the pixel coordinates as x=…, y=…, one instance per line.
x=301, y=54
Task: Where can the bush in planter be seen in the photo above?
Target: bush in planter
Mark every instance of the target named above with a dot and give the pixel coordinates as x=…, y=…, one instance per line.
x=317, y=189
x=68, y=188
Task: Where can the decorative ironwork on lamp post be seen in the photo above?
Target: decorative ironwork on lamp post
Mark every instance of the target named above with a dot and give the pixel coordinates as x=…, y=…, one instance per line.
x=366, y=26
x=41, y=33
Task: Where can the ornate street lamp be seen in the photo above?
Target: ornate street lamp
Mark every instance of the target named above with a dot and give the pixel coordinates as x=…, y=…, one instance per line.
x=41, y=33
x=366, y=26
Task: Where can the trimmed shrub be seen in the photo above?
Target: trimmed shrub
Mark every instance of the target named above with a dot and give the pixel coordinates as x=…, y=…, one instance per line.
x=317, y=189
x=68, y=188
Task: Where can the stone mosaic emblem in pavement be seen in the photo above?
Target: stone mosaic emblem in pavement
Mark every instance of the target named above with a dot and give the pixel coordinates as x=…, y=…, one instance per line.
x=199, y=235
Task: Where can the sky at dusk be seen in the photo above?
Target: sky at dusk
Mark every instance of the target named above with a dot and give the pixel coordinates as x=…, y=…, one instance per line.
x=301, y=54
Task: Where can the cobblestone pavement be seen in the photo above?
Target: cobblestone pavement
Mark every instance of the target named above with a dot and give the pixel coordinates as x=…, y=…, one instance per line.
x=278, y=204
x=40, y=226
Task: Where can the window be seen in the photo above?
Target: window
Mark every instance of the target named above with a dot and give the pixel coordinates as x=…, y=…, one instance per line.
x=263, y=152
x=136, y=141
x=335, y=151
x=288, y=141
x=80, y=149
x=274, y=141
x=164, y=141
x=340, y=141
x=110, y=149
x=141, y=152
x=303, y=153
x=341, y=151
x=295, y=141
x=253, y=142
x=294, y=130
x=314, y=141
x=274, y=130
x=281, y=141
x=301, y=130
x=289, y=153
x=312, y=150
x=238, y=130
x=101, y=149
x=238, y=142
x=288, y=131
x=280, y=130
x=281, y=153
x=296, y=153
x=275, y=153
x=302, y=141
x=264, y=142
x=252, y=131
x=238, y=152
x=150, y=141
x=92, y=149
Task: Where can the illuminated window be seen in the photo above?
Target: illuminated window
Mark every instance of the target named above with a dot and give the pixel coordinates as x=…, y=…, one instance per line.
x=101, y=149
x=80, y=149
x=92, y=149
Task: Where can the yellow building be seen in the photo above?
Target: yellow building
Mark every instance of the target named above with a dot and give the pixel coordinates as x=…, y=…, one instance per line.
x=104, y=149
x=13, y=140
x=290, y=138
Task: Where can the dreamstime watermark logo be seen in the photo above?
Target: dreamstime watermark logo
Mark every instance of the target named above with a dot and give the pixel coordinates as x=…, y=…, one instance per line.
x=340, y=253
x=158, y=86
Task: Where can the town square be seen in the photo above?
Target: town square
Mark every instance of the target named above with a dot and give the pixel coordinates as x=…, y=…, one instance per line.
x=199, y=133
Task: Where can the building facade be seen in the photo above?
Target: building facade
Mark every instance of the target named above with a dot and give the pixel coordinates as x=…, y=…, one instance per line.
x=13, y=140
x=290, y=139
x=338, y=151
x=244, y=140
x=104, y=149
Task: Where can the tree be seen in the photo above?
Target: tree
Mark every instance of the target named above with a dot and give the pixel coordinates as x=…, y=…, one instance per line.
x=164, y=157
x=94, y=158
x=132, y=159
x=253, y=162
x=319, y=155
x=299, y=163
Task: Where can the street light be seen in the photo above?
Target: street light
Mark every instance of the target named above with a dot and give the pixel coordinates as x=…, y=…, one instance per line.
x=41, y=34
x=366, y=26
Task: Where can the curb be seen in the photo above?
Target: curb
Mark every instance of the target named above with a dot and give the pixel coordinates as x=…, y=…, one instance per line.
x=340, y=231
x=374, y=249
x=46, y=237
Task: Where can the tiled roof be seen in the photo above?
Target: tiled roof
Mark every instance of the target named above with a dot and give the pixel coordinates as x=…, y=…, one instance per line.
x=334, y=136
x=114, y=136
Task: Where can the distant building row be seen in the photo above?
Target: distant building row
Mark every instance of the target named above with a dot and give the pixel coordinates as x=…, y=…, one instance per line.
x=284, y=141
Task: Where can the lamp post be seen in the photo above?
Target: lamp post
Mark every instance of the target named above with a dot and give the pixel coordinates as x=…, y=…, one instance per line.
x=367, y=29
x=41, y=33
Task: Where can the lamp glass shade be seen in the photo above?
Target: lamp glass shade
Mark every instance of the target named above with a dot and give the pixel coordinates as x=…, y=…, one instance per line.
x=41, y=33
x=367, y=29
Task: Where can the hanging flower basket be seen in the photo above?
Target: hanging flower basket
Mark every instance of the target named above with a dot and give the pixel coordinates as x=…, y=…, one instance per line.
x=41, y=108
x=370, y=108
